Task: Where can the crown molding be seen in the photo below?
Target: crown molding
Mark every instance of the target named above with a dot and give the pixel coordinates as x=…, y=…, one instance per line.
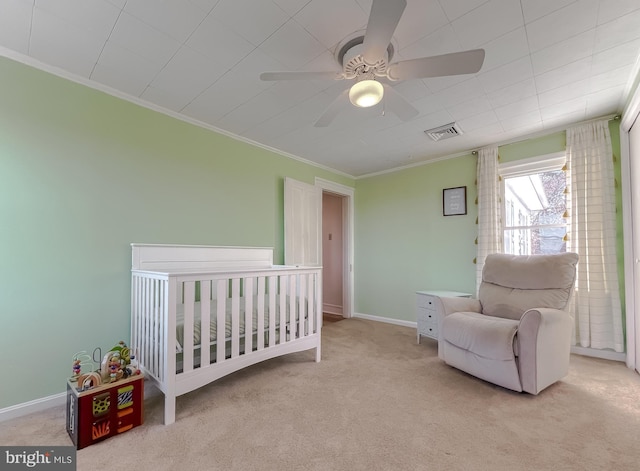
x=36, y=64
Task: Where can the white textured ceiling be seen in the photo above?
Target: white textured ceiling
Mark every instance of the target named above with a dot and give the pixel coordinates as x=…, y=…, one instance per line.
x=549, y=63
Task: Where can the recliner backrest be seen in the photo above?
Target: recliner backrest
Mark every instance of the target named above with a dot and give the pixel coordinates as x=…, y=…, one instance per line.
x=512, y=284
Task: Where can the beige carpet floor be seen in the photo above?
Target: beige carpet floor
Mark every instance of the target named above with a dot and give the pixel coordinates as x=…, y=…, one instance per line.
x=377, y=401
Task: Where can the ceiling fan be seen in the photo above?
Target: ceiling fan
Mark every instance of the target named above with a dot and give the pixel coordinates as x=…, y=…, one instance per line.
x=366, y=58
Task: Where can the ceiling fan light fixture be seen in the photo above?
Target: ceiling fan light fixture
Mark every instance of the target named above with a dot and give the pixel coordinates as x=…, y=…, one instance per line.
x=366, y=93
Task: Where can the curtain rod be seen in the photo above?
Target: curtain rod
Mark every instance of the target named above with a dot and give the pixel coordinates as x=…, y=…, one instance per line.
x=611, y=118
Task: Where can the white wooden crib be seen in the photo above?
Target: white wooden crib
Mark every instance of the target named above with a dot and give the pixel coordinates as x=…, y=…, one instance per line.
x=178, y=291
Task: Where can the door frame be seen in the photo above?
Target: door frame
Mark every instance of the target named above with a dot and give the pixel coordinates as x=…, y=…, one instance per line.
x=347, y=194
x=631, y=259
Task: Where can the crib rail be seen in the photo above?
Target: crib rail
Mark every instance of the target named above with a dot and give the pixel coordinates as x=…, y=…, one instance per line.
x=185, y=323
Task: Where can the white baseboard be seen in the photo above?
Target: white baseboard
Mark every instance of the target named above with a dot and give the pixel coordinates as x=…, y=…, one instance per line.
x=30, y=407
x=332, y=309
x=604, y=354
x=388, y=320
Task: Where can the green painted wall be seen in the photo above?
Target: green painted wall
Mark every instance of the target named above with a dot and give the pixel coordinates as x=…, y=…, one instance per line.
x=556, y=142
x=403, y=243
x=83, y=175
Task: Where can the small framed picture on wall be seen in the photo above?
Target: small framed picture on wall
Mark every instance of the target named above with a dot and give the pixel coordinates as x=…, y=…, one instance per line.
x=454, y=201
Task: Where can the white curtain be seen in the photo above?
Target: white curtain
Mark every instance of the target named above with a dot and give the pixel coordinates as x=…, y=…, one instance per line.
x=596, y=307
x=489, y=214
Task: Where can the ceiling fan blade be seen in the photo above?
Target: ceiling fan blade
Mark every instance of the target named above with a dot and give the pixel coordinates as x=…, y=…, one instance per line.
x=397, y=104
x=332, y=111
x=456, y=63
x=271, y=76
x=383, y=20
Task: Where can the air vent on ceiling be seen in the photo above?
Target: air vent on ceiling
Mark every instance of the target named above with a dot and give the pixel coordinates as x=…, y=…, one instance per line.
x=444, y=132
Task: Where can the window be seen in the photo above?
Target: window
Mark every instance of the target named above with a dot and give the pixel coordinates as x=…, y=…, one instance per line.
x=535, y=197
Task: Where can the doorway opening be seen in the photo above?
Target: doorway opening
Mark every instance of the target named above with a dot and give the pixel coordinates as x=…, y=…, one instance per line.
x=332, y=256
x=337, y=249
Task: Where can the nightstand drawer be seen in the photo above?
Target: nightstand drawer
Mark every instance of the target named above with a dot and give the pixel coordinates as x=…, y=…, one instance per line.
x=427, y=315
x=426, y=302
x=428, y=329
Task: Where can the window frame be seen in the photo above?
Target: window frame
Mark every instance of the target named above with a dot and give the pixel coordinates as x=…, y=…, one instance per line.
x=518, y=168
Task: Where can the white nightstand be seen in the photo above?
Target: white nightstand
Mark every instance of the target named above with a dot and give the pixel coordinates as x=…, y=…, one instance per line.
x=428, y=310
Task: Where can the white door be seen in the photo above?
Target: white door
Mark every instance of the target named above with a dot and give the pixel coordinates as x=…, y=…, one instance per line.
x=302, y=223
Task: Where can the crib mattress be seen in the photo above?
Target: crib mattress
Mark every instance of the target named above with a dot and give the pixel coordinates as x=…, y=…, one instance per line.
x=213, y=325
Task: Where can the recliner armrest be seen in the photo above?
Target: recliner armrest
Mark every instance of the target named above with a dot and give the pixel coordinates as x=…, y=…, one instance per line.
x=544, y=347
x=451, y=305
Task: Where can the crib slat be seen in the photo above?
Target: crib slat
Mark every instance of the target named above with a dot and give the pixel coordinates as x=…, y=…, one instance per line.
x=310, y=305
x=187, y=343
x=162, y=308
x=282, y=282
x=248, y=315
x=205, y=322
x=154, y=315
x=221, y=312
x=293, y=326
x=147, y=324
x=260, y=320
x=170, y=301
x=301, y=306
x=235, y=317
x=150, y=328
x=153, y=322
x=141, y=326
x=136, y=336
x=272, y=310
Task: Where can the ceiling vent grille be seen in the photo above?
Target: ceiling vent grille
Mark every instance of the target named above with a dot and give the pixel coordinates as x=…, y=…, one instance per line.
x=444, y=132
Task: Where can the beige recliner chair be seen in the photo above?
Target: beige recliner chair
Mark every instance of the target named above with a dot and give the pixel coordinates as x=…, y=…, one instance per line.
x=517, y=334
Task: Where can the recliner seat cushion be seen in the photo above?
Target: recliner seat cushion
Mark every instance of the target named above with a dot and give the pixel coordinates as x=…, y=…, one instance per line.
x=486, y=336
